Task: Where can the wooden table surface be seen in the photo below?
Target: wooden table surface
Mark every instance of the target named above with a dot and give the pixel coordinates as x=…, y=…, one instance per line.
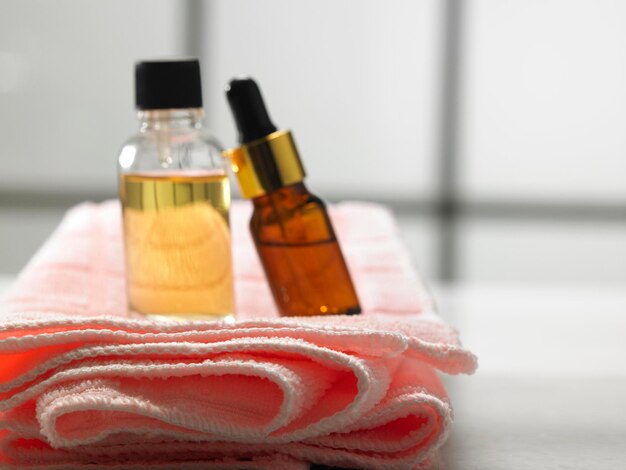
x=550, y=391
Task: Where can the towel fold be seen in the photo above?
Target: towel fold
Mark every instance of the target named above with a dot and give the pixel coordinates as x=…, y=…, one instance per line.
x=82, y=380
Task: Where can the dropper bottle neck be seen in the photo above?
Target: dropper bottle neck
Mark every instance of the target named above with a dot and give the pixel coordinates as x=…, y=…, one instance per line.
x=288, y=196
x=168, y=119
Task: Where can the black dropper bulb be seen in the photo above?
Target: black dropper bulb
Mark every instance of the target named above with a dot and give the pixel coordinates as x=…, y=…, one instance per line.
x=246, y=103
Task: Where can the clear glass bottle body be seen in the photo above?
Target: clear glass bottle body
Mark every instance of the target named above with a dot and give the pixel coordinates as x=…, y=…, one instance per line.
x=175, y=195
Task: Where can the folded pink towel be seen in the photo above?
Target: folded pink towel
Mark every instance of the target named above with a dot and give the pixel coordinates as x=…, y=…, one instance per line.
x=82, y=380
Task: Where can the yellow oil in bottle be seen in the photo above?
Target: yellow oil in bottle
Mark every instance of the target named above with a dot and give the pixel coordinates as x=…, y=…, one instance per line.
x=177, y=242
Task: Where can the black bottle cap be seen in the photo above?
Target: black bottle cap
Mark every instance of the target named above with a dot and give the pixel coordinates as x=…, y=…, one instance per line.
x=246, y=103
x=168, y=84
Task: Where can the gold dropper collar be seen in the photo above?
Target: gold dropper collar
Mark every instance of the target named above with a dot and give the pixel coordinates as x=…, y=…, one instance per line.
x=264, y=165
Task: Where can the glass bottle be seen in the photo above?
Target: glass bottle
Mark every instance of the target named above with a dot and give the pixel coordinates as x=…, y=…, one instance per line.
x=290, y=226
x=175, y=195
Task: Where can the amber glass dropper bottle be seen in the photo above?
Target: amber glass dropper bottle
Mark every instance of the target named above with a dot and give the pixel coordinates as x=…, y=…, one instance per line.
x=290, y=226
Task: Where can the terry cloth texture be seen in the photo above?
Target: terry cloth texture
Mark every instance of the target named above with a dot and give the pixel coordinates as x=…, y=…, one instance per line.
x=84, y=381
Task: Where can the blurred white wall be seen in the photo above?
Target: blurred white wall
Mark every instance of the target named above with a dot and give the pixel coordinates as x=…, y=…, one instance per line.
x=543, y=120
x=544, y=100
x=66, y=104
x=357, y=82
x=66, y=86
x=542, y=251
